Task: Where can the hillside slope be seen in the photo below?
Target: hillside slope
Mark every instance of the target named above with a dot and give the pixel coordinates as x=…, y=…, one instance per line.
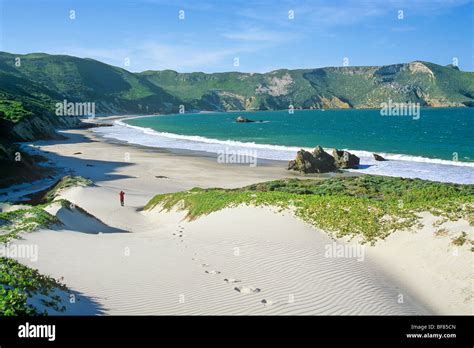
x=41, y=80
x=114, y=90
x=335, y=87
x=31, y=85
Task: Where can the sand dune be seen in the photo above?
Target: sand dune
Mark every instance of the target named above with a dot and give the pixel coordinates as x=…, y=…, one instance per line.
x=74, y=218
x=244, y=260
x=276, y=263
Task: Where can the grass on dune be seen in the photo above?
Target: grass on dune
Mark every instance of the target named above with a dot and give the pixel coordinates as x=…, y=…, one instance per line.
x=33, y=217
x=18, y=283
x=50, y=194
x=66, y=182
x=370, y=207
x=24, y=220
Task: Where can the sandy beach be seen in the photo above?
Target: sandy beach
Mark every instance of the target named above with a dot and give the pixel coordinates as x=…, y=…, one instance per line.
x=244, y=260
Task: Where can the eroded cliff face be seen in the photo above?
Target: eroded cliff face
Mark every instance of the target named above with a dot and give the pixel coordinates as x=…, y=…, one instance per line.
x=17, y=166
x=332, y=103
x=42, y=127
x=45, y=79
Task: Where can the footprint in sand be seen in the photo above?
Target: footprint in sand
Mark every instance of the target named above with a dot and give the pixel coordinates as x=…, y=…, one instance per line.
x=205, y=265
x=232, y=280
x=247, y=289
x=267, y=303
x=213, y=272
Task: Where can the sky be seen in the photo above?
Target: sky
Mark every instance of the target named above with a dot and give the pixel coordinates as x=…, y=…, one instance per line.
x=247, y=36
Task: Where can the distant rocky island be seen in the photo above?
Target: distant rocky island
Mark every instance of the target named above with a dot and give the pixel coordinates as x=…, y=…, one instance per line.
x=242, y=119
x=30, y=90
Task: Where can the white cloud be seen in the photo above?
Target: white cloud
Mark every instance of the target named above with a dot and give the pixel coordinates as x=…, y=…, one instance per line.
x=157, y=56
x=255, y=27
x=254, y=34
x=110, y=56
x=185, y=57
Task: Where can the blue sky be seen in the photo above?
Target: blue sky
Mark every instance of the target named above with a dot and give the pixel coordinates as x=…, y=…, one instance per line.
x=259, y=33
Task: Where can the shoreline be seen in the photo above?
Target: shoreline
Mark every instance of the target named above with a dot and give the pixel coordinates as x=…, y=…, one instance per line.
x=387, y=155
x=112, y=120
x=106, y=121
x=170, y=257
x=397, y=165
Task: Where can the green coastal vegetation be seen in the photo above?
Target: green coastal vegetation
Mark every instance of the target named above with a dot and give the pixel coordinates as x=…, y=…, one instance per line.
x=34, y=216
x=332, y=87
x=367, y=207
x=51, y=193
x=19, y=283
x=24, y=220
x=32, y=84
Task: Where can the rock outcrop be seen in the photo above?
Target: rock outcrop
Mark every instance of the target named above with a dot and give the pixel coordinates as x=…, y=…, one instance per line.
x=304, y=162
x=378, y=157
x=242, y=119
x=324, y=161
x=345, y=160
x=319, y=161
x=43, y=127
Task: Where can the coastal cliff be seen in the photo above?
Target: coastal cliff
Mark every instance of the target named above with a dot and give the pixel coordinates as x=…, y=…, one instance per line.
x=32, y=85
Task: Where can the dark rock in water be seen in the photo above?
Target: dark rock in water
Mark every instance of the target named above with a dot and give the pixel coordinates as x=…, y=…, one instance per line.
x=317, y=162
x=378, y=157
x=304, y=162
x=324, y=162
x=345, y=160
x=242, y=119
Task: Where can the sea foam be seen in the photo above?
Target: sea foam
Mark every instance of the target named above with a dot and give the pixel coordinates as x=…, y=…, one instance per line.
x=397, y=165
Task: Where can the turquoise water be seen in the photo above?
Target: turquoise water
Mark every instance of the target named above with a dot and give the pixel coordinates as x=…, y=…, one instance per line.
x=437, y=134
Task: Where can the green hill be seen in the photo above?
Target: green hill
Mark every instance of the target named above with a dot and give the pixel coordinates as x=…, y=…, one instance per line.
x=335, y=87
x=42, y=80
x=114, y=90
x=30, y=90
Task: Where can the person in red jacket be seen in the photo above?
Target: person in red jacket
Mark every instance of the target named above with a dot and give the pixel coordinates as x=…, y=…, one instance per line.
x=122, y=198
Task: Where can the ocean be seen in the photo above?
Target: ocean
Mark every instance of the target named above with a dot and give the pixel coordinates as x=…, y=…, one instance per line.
x=438, y=145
